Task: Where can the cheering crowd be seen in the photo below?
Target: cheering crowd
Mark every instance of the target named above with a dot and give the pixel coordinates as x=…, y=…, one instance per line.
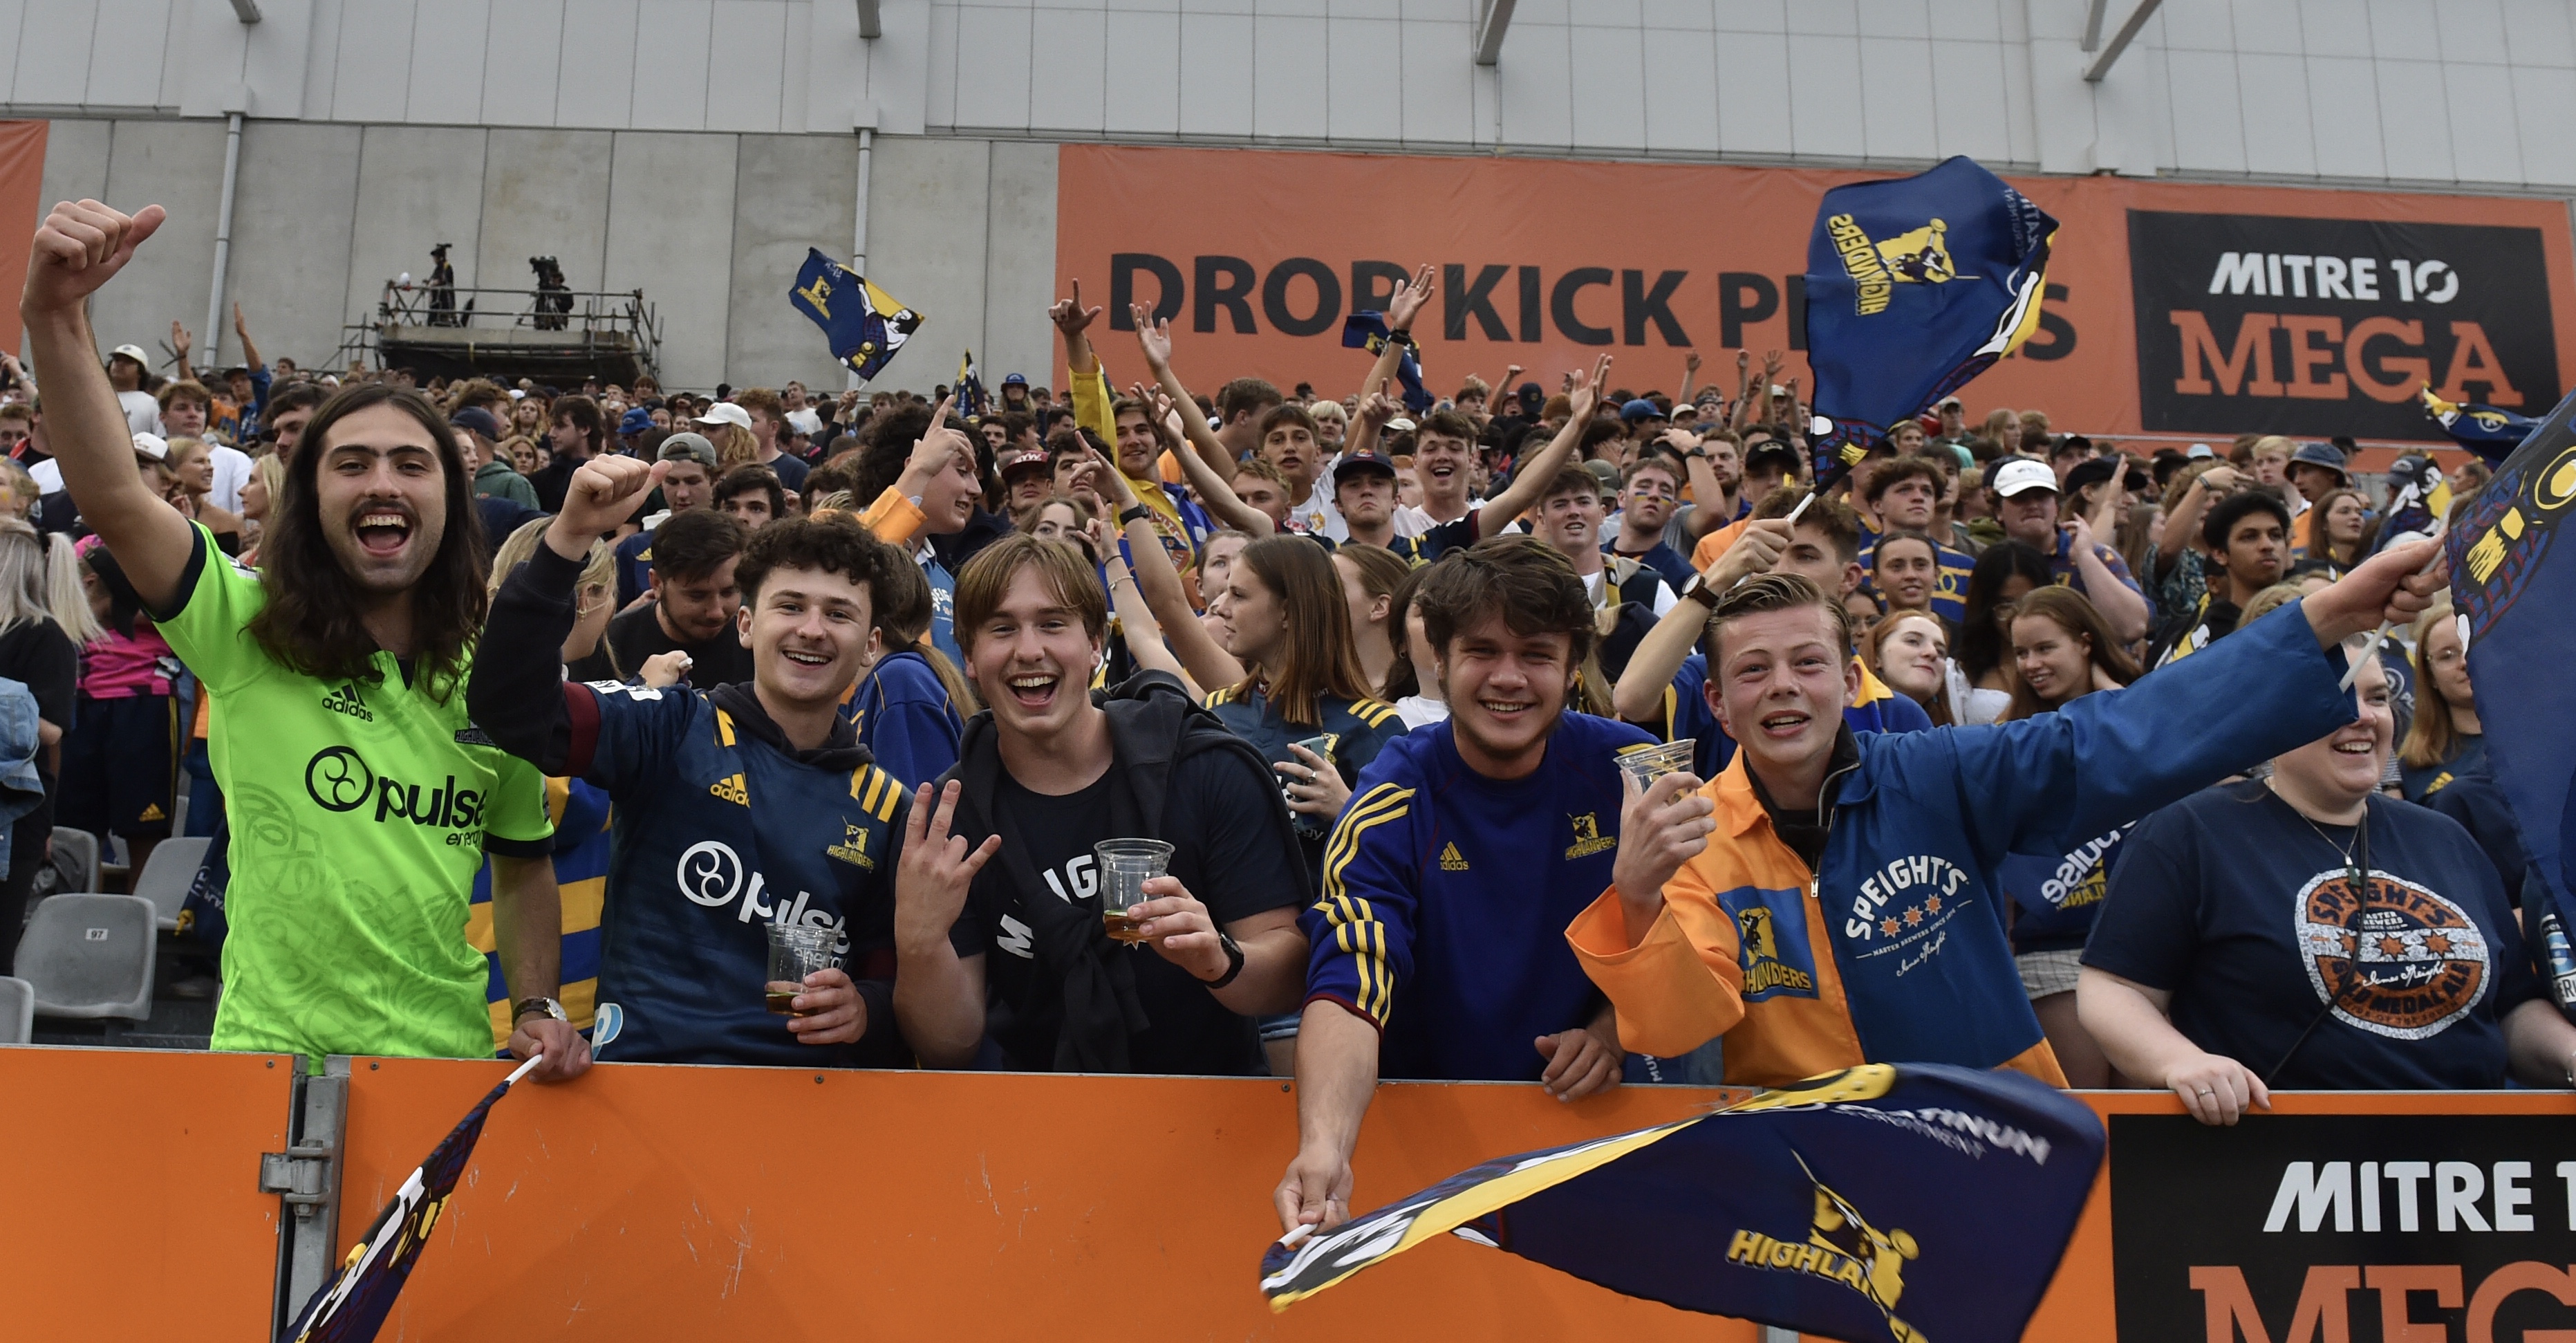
x=537, y=719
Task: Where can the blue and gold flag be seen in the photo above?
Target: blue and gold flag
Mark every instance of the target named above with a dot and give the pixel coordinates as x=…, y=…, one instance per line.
x=1366, y=330
x=1900, y=1202
x=353, y=1306
x=866, y=325
x=2418, y=499
x=2513, y=579
x=1914, y=286
x=972, y=401
x=2490, y=433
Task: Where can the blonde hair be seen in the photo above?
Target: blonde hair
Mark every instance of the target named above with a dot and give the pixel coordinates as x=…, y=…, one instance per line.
x=2430, y=737
x=521, y=546
x=734, y=446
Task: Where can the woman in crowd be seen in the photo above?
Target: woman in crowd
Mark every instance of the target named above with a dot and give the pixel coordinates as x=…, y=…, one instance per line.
x=1861, y=604
x=1216, y=556
x=2004, y=574
x=1057, y=517
x=24, y=492
x=1287, y=624
x=528, y=418
x=2445, y=740
x=1370, y=575
x=911, y=706
x=44, y=619
x=1910, y=651
x=2063, y=650
x=2343, y=528
x=1332, y=425
x=192, y=471
x=2243, y=948
x=121, y=750
x=1412, y=683
x=259, y=501
x=594, y=601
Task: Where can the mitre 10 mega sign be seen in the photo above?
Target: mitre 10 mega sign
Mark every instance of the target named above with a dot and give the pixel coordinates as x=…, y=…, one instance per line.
x=2175, y=308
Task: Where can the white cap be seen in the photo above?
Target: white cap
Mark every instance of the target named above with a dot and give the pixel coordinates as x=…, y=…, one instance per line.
x=726, y=412
x=1400, y=425
x=2198, y=451
x=153, y=446
x=2022, y=475
x=1778, y=390
x=133, y=352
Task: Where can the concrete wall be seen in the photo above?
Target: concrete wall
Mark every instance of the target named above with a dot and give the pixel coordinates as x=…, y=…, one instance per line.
x=712, y=227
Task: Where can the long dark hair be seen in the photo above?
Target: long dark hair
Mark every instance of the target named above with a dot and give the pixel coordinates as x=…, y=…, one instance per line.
x=1322, y=657
x=1980, y=648
x=2074, y=613
x=1401, y=679
x=311, y=622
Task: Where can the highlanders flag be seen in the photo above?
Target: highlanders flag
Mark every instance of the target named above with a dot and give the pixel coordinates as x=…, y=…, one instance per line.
x=1886, y=1202
x=1914, y=286
x=352, y=1307
x=972, y=401
x=2418, y=499
x=2513, y=579
x=2490, y=433
x=866, y=325
x=1365, y=330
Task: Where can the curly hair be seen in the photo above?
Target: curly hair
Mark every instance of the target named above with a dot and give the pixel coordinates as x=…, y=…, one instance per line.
x=313, y=621
x=825, y=545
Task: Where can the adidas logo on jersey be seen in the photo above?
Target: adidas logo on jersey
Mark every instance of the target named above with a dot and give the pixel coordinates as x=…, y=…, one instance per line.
x=152, y=812
x=345, y=700
x=731, y=789
x=1451, y=860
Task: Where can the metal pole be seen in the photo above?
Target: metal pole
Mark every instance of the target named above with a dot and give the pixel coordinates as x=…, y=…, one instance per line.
x=859, y=230
x=223, y=242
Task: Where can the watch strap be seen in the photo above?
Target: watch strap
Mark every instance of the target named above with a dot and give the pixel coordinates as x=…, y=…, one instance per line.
x=1134, y=513
x=1233, y=958
x=544, y=1007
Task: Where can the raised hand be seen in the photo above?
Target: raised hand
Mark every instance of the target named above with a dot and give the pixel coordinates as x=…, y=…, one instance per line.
x=1771, y=361
x=1584, y=393
x=1153, y=338
x=939, y=445
x=602, y=495
x=180, y=341
x=1379, y=408
x=240, y=327
x=1069, y=316
x=1408, y=301
x=1690, y=362
x=81, y=246
x=1660, y=828
x=936, y=870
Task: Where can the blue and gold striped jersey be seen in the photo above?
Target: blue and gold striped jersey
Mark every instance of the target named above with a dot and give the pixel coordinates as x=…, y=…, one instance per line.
x=1446, y=895
x=1359, y=729
x=1950, y=583
x=580, y=816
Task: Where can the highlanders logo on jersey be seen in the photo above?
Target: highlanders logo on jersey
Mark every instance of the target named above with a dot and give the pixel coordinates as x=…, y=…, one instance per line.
x=1841, y=1246
x=2398, y=961
x=853, y=847
x=1588, y=839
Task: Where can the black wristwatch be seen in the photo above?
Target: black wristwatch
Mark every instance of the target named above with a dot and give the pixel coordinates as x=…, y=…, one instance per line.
x=1233, y=962
x=1700, y=590
x=1134, y=513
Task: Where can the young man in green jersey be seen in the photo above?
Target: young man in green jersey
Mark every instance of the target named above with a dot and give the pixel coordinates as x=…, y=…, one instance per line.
x=362, y=798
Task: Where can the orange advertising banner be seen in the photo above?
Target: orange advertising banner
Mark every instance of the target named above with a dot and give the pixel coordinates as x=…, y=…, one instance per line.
x=2172, y=309
x=22, y=183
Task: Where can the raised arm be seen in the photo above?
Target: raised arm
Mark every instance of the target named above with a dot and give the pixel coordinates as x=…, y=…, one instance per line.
x=1530, y=478
x=1145, y=641
x=1640, y=691
x=1207, y=664
x=82, y=246
x=181, y=344
x=2121, y=604
x=1155, y=340
x=1400, y=313
x=1083, y=380
x=1690, y=376
x=250, y=349
x=1214, y=493
x=1376, y=408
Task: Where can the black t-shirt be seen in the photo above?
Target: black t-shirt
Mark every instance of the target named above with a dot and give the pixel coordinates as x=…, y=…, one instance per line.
x=791, y=471
x=638, y=634
x=1223, y=853
x=39, y=654
x=2241, y=909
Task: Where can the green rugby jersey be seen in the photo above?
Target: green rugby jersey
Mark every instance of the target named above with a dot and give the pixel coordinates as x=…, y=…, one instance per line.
x=360, y=813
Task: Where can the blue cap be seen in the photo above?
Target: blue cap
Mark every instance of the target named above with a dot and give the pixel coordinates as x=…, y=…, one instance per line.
x=479, y=420
x=635, y=421
x=1367, y=460
x=1641, y=409
x=2326, y=455
x=1014, y=379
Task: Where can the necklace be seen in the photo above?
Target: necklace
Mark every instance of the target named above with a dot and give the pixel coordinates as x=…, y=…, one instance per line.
x=2345, y=851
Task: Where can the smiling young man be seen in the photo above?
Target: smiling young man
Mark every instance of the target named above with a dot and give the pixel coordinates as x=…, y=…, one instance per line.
x=696, y=599
x=1011, y=957
x=943, y=497
x=2025, y=492
x=1820, y=902
x=748, y=806
x=2247, y=543
x=1464, y=848
x=362, y=796
x=1904, y=496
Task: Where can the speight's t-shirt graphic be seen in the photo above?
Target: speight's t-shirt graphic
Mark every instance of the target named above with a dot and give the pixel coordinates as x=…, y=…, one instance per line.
x=2317, y=327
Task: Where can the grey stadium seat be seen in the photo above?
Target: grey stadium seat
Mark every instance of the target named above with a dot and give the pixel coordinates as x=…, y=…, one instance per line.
x=167, y=876
x=76, y=856
x=90, y=955
x=17, y=1011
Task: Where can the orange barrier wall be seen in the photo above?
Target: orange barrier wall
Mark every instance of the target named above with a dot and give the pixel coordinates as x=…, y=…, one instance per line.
x=667, y=1202
x=129, y=1193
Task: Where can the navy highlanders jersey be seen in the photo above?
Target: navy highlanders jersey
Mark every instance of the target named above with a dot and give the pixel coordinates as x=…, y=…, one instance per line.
x=1359, y=729
x=1446, y=895
x=716, y=833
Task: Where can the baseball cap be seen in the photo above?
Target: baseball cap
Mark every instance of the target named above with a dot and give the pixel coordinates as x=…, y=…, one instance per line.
x=2021, y=475
x=1772, y=455
x=635, y=421
x=1606, y=473
x=1640, y=409
x=2198, y=452
x=479, y=420
x=726, y=412
x=1366, y=460
x=2320, y=454
x=685, y=446
x=1530, y=395
x=1948, y=401
x=1401, y=425
x=1027, y=463
x=133, y=352
x=1014, y=380
x=2091, y=472
x=153, y=446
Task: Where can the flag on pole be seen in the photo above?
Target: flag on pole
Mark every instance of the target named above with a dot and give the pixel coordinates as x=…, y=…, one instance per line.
x=972, y=401
x=2418, y=499
x=1365, y=330
x=353, y=1306
x=2513, y=579
x=1904, y=1202
x=2490, y=433
x=866, y=325
x=1915, y=286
